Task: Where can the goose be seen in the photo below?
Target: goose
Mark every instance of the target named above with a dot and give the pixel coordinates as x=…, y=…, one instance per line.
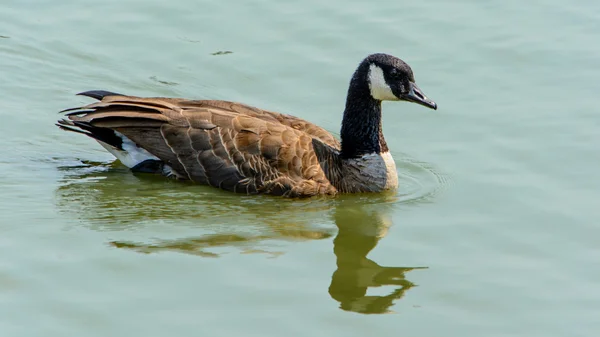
x=244, y=149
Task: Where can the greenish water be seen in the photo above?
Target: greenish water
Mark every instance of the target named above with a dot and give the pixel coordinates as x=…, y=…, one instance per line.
x=493, y=233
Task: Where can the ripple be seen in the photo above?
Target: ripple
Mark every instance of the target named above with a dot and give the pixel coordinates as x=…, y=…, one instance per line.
x=419, y=181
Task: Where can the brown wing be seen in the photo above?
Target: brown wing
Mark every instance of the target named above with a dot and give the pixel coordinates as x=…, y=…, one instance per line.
x=268, y=116
x=222, y=144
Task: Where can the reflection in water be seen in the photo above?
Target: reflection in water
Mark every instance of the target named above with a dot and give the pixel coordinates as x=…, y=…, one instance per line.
x=360, y=229
x=110, y=198
x=199, y=245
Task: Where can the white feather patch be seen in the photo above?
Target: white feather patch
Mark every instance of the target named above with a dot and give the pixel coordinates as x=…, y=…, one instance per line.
x=379, y=168
x=380, y=90
x=390, y=170
x=131, y=155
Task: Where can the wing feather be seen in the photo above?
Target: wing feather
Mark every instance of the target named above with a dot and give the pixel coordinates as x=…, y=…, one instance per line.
x=224, y=144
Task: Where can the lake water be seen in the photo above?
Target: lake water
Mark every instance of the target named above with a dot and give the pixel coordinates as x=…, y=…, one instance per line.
x=494, y=231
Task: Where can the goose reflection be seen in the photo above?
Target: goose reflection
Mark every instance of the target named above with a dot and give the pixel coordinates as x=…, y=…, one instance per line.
x=106, y=197
x=360, y=228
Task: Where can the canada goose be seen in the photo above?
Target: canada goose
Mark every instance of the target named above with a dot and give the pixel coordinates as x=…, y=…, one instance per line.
x=243, y=149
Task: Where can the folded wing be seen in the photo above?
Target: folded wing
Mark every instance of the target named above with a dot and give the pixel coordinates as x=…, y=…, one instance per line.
x=223, y=144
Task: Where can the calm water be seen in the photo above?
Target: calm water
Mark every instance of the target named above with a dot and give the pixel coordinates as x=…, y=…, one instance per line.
x=493, y=233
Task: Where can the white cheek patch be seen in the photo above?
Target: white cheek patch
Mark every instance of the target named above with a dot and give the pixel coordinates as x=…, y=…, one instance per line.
x=380, y=90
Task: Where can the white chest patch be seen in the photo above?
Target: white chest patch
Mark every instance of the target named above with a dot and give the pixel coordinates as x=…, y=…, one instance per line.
x=380, y=90
x=373, y=172
x=390, y=170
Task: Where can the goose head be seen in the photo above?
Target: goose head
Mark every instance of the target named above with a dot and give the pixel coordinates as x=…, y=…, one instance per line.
x=391, y=79
x=379, y=77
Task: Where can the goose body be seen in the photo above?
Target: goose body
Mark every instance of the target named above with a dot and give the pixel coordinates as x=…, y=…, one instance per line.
x=244, y=149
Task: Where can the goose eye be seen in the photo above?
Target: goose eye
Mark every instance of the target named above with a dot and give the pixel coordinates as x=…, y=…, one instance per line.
x=394, y=73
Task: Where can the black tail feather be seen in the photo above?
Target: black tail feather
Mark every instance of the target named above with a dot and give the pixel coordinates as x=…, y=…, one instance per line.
x=69, y=109
x=105, y=135
x=67, y=128
x=98, y=94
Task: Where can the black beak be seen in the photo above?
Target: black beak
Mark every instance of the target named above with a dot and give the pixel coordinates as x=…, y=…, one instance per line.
x=415, y=95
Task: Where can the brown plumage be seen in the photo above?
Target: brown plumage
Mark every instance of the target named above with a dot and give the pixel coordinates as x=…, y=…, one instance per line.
x=228, y=145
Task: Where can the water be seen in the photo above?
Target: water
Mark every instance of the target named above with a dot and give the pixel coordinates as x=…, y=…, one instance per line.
x=493, y=233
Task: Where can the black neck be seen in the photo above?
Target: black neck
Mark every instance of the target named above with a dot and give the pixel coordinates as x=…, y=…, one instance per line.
x=361, y=127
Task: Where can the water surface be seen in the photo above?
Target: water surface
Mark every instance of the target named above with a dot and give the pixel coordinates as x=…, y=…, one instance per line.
x=493, y=232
